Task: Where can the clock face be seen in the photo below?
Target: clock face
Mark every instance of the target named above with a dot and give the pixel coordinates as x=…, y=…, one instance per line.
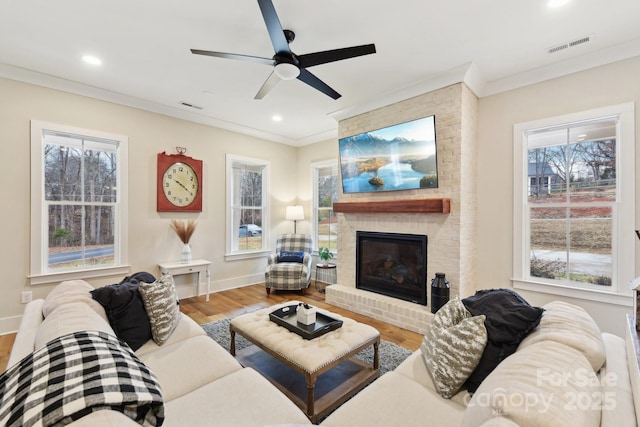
x=180, y=184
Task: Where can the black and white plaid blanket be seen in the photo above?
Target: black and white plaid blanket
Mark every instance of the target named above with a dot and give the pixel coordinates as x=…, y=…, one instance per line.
x=75, y=375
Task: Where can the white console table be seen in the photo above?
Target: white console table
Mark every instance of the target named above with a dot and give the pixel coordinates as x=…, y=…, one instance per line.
x=196, y=266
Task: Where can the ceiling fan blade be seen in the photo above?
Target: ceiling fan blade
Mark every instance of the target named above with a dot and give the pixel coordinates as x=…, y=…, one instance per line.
x=269, y=84
x=259, y=60
x=317, y=58
x=316, y=83
x=276, y=33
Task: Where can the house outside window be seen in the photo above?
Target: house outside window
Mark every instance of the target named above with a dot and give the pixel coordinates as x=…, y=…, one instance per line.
x=79, y=203
x=247, y=219
x=325, y=192
x=573, y=204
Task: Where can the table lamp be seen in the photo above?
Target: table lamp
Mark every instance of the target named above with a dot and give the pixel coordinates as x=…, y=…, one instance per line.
x=294, y=213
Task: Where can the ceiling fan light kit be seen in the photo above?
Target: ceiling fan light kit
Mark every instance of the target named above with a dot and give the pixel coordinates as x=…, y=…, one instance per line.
x=287, y=71
x=286, y=64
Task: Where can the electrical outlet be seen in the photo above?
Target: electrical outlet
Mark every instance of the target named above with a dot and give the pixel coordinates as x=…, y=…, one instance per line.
x=27, y=296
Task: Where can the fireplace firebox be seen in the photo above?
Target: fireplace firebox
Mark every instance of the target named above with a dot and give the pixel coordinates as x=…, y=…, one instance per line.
x=392, y=264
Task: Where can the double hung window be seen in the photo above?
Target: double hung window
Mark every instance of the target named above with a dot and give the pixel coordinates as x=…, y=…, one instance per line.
x=325, y=192
x=574, y=203
x=79, y=206
x=247, y=223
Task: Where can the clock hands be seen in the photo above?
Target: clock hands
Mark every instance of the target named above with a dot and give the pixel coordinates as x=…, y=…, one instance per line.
x=182, y=185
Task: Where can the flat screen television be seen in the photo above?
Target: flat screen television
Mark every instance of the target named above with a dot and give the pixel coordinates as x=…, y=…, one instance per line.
x=398, y=157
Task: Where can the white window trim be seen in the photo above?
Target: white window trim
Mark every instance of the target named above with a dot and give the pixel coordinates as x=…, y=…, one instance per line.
x=314, y=191
x=230, y=255
x=39, y=223
x=623, y=256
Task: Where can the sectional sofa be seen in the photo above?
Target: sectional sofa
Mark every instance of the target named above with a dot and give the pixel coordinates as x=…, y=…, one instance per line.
x=201, y=383
x=564, y=373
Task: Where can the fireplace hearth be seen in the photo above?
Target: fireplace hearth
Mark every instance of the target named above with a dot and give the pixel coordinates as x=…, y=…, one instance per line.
x=392, y=264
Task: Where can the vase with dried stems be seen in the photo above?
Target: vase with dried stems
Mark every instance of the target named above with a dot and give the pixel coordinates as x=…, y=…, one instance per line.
x=184, y=230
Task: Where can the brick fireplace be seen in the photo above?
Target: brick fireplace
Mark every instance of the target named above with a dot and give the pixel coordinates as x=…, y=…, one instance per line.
x=451, y=247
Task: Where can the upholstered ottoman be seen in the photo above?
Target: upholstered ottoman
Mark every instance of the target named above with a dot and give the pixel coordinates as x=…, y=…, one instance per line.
x=311, y=358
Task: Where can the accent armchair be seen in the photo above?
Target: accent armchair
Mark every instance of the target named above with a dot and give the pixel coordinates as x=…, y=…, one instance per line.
x=289, y=268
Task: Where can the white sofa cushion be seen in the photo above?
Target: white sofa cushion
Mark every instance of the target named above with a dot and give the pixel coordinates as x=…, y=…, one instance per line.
x=453, y=346
x=571, y=325
x=243, y=398
x=105, y=418
x=413, y=367
x=71, y=291
x=617, y=405
x=499, y=422
x=395, y=400
x=68, y=318
x=186, y=328
x=547, y=383
x=189, y=364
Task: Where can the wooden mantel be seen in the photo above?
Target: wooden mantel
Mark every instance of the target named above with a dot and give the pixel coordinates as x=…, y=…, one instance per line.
x=433, y=205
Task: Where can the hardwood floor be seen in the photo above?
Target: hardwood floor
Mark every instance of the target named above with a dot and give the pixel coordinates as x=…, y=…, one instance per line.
x=234, y=302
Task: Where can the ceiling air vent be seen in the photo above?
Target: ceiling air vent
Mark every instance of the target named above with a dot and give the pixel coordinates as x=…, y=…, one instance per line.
x=579, y=41
x=557, y=48
x=569, y=44
x=186, y=104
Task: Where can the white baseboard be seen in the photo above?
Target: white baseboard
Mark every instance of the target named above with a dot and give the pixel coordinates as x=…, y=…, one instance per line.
x=9, y=325
x=188, y=290
x=237, y=282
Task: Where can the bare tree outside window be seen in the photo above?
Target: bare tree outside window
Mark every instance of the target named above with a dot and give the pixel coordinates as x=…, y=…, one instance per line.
x=80, y=194
x=572, y=189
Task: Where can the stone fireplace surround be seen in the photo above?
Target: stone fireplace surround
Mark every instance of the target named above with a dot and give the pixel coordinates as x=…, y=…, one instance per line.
x=451, y=247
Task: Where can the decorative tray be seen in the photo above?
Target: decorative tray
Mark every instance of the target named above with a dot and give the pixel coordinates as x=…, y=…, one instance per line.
x=286, y=317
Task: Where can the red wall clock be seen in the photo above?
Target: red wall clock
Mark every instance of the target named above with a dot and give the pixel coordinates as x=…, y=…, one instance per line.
x=179, y=183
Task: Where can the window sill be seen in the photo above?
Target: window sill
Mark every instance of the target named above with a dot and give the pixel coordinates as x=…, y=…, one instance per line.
x=246, y=255
x=49, y=278
x=614, y=298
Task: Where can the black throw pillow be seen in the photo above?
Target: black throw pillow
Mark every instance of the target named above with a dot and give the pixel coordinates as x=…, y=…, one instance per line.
x=125, y=309
x=509, y=319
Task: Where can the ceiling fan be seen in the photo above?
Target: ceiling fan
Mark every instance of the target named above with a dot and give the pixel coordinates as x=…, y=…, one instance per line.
x=287, y=65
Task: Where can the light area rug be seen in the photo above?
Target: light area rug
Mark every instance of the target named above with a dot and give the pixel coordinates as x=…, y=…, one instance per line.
x=390, y=355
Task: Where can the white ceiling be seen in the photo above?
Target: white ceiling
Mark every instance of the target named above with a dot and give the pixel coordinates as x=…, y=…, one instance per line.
x=421, y=45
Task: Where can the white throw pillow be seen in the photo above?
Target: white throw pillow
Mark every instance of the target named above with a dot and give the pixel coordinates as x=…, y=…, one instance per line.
x=570, y=325
x=71, y=291
x=453, y=346
x=69, y=318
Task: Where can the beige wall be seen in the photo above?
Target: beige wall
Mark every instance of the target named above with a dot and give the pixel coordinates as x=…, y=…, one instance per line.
x=603, y=86
x=307, y=155
x=150, y=239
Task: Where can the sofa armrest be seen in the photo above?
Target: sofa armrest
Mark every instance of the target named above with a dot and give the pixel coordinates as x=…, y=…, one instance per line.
x=24, y=343
x=272, y=259
x=306, y=261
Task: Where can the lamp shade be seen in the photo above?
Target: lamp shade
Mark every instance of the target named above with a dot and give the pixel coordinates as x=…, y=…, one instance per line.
x=294, y=213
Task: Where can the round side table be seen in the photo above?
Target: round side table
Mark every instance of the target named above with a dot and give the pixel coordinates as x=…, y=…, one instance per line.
x=327, y=274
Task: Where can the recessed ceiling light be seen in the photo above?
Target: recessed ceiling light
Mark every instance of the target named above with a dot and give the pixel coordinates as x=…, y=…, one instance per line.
x=557, y=3
x=93, y=60
x=277, y=118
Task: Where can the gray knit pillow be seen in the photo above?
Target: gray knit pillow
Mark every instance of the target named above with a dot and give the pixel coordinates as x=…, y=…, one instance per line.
x=162, y=305
x=453, y=346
